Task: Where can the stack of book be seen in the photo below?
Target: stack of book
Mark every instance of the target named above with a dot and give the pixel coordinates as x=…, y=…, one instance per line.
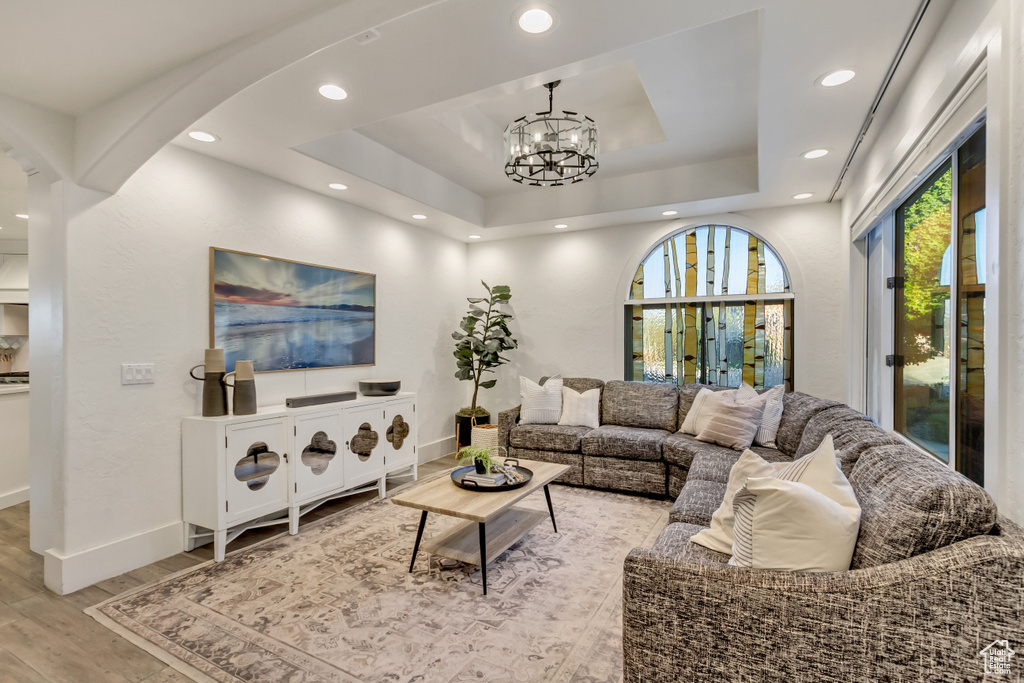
x=492, y=479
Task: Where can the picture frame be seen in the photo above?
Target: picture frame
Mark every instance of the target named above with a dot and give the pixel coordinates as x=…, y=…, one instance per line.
x=290, y=315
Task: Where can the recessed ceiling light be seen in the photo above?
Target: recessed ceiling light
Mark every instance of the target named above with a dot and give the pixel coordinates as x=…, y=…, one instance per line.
x=536, y=20
x=474, y=237
x=21, y=215
x=837, y=77
x=669, y=213
x=419, y=216
x=561, y=226
x=333, y=92
x=203, y=136
x=803, y=195
x=338, y=186
x=815, y=154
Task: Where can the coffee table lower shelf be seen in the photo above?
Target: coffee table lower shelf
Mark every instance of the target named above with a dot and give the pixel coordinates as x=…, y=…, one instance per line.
x=462, y=542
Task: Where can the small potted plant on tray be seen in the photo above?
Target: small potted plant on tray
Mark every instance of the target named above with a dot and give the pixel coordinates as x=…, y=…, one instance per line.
x=480, y=457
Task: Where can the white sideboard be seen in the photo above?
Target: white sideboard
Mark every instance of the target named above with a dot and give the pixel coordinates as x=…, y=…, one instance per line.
x=240, y=472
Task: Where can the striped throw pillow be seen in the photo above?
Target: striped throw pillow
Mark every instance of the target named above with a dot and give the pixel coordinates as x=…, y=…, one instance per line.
x=541, y=405
x=734, y=424
x=805, y=518
x=772, y=417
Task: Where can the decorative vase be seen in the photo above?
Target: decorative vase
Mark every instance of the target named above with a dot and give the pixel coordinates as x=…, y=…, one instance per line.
x=215, y=394
x=243, y=402
x=480, y=467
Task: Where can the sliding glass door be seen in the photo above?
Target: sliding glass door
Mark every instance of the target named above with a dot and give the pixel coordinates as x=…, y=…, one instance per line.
x=970, y=394
x=923, y=349
x=939, y=286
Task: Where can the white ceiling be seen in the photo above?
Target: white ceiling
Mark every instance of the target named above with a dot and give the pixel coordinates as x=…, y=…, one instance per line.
x=701, y=106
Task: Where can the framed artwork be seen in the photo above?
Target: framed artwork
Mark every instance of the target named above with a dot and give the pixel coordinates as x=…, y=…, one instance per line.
x=287, y=315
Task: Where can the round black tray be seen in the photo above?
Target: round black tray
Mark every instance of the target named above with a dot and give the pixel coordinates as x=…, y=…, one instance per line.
x=460, y=472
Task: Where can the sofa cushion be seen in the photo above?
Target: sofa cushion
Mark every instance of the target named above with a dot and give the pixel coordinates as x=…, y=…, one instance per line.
x=798, y=409
x=852, y=432
x=714, y=463
x=574, y=475
x=675, y=541
x=548, y=437
x=631, y=443
x=697, y=502
x=679, y=449
x=912, y=504
x=676, y=479
x=619, y=474
x=640, y=404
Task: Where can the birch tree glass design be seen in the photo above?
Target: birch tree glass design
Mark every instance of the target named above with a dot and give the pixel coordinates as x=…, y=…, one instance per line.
x=710, y=305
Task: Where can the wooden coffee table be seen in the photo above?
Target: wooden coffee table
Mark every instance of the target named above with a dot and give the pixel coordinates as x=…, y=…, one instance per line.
x=493, y=523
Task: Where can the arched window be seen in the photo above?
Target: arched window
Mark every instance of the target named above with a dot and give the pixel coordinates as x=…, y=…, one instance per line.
x=710, y=305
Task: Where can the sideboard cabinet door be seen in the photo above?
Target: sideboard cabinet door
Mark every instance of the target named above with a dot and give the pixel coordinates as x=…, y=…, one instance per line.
x=255, y=470
x=364, y=433
x=319, y=460
x=400, y=433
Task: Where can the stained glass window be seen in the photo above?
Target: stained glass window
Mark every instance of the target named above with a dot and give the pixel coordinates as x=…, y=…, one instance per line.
x=710, y=305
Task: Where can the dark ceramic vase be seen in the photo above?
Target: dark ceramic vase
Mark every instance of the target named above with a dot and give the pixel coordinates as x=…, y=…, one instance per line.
x=480, y=467
x=244, y=400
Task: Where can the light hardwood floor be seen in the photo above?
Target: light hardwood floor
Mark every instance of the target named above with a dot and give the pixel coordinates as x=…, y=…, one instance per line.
x=46, y=637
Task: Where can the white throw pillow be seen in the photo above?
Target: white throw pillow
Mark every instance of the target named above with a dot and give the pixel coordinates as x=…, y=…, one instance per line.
x=804, y=518
x=580, y=410
x=705, y=405
x=719, y=535
x=788, y=526
x=772, y=417
x=541, y=405
x=817, y=469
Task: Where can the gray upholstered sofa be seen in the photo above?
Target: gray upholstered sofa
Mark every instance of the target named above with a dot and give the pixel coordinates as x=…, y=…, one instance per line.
x=937, y=574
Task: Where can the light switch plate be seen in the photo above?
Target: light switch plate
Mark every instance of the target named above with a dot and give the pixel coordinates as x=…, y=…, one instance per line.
x=137, y=373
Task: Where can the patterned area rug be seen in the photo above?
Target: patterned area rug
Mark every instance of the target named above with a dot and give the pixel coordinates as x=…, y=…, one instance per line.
x=337, y=602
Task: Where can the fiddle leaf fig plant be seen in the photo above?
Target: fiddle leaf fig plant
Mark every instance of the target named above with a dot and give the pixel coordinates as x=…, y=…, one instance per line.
x=480, y=340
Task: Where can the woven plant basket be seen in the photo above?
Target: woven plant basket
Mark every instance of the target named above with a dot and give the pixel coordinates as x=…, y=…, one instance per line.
x=486, y=436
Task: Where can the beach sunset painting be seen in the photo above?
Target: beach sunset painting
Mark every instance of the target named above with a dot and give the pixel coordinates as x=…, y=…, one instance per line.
x=285, y=315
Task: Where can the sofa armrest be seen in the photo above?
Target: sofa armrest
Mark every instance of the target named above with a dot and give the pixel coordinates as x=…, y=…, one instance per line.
x=910, y=620
x=507, y=419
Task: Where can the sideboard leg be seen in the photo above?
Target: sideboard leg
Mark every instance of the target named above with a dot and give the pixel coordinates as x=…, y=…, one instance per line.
x=293, y=520
x=220, y=542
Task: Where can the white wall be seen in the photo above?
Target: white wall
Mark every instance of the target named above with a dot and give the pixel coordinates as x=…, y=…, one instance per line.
x=138, y=291
x=568, y=291
x=14, y=469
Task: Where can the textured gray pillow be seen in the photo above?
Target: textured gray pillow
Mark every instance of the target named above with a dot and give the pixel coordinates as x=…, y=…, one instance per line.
x=734, y=425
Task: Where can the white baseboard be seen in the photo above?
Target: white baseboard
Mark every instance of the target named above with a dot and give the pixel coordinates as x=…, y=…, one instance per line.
x=438, y=449
x=65, y=574
x=13, y=497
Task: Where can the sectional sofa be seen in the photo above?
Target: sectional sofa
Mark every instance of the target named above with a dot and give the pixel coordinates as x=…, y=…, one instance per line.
x=937, y=574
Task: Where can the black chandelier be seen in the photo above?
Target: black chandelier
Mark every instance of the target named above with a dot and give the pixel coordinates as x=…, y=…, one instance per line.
x=550, y=149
